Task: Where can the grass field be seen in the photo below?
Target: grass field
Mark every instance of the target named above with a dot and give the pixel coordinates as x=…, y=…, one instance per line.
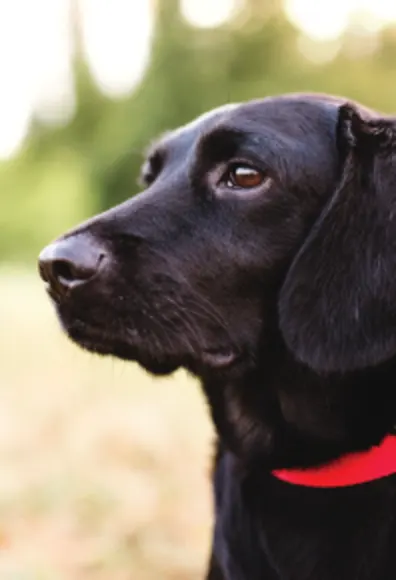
x=103, y=470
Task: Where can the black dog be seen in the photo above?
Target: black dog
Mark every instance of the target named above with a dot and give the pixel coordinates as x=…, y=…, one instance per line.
x=262, y=258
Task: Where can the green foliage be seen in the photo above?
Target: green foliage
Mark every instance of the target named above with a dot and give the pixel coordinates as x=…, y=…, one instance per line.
x=65, y=174
x=40, y=199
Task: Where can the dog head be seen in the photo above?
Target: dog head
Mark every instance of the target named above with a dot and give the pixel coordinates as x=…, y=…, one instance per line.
x=277, y=213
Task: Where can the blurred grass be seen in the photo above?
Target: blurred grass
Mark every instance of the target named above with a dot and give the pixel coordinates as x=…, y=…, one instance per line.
x=103, y=470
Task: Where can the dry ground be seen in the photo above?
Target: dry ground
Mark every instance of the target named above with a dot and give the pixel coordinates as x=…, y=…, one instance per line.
x=103, y=470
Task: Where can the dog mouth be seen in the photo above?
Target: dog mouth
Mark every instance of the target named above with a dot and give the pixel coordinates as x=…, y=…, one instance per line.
x=94, y=339
x=132, y=347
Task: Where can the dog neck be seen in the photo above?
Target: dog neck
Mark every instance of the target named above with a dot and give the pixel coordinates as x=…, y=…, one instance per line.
x=350, y=469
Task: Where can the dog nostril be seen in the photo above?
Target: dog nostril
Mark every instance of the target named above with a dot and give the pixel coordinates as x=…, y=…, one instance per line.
x=66, y=271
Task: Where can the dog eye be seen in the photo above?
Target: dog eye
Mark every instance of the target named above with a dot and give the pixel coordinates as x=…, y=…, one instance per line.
x=244, y=177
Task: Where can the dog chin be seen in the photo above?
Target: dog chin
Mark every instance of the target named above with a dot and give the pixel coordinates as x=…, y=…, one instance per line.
x=98, y=343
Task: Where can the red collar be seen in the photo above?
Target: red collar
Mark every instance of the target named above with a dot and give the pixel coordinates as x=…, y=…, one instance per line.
x=351, y=469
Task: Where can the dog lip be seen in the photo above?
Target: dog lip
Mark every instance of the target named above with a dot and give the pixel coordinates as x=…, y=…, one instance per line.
x=219, y=358
x=94, y=339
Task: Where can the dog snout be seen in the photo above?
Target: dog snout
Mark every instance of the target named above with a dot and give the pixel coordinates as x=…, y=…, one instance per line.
x=69, y=263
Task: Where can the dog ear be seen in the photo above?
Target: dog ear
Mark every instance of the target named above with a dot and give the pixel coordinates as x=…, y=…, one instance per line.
x=337, y=306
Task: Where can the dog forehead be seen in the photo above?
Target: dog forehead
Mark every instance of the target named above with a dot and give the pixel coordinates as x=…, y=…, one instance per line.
x=304, y=116
x=289, y=112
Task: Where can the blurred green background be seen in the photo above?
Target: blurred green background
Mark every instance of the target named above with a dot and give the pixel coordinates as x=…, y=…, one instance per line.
x=98, y=462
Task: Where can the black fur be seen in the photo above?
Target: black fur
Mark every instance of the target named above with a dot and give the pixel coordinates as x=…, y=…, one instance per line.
x=282, y=300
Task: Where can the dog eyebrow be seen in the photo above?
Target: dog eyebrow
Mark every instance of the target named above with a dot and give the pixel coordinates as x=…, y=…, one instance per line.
x=220, y=144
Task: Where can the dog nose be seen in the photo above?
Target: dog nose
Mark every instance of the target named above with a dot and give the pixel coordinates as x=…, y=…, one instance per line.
x=69, y=263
